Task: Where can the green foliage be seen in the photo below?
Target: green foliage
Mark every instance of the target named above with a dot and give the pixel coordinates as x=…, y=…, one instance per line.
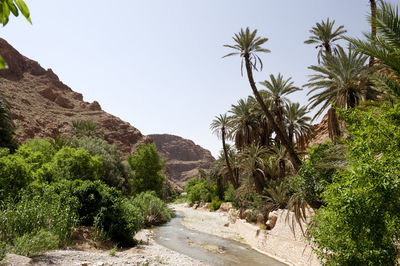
x=15, y=174
x=37, y=214
x=200, y=190
x=115, y=173
x=104, y=207
x=230, y=195
x=312, y=178
x=147, y=166
x=7, y=7
x=277, y=194
x=31, y=244
x=359, y=224
x=70, y=163
x=154, y=210
x=215, y=204
x=82, y=128
x=36, y=152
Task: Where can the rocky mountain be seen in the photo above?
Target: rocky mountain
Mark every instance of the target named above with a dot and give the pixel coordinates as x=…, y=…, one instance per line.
x=183, y=157
x=43, y=106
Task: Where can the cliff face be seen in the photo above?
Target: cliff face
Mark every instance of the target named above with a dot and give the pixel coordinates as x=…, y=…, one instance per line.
x=183, y=158
x=43, y=106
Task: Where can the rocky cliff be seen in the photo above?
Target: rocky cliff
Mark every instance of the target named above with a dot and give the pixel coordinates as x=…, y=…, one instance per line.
x=183, y=157
x=43, y=106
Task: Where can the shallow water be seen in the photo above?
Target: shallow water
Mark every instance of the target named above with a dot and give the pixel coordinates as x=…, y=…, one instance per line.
x=208, y=248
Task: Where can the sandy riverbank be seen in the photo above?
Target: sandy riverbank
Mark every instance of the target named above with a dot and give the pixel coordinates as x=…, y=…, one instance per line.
x=279, y=243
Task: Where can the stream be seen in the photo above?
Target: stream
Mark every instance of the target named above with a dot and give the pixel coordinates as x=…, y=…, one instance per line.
x=207, y=248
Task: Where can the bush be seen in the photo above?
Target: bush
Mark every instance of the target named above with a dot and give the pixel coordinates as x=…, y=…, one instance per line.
x=359, y=224
x=31, y=244
x=199, y=190
x=36, y=152
x=70, y=163
x=312, y=179
x=230, y=195
x=15, y=174
x=105, y=208
x=215, y=204
x=154, y=210
x=115, y=174
x=37, y=214
x=147, y=166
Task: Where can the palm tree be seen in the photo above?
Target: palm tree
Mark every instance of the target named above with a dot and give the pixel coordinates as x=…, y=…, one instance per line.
x=276, y=90
x=7, y=126
x=218, y=126
x=277, y=165
x=297, y=123
x=385, y=46
x=243, y=124
x=234, y=164
x=247, y=45
x=373, y=26
x=253, y=165
x=324, y=36
x=343, y=79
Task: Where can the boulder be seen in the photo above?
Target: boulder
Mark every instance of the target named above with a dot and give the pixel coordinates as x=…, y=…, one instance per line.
x=225, y=207
x=272, y=218
x=95, y=106
x=13, y=259
x=195, y=206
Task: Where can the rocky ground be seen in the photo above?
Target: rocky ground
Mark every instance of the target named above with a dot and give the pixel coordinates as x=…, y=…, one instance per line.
x=147, y=253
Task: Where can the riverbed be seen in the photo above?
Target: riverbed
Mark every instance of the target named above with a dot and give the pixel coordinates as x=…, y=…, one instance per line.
x=208, y=248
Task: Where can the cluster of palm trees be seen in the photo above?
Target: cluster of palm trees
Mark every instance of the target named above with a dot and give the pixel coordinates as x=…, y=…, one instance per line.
x=270, y=132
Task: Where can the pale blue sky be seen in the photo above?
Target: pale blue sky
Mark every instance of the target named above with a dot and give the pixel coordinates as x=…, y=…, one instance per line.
x=157, y=63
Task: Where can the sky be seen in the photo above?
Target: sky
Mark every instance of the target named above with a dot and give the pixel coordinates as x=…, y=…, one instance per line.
x=158, y=63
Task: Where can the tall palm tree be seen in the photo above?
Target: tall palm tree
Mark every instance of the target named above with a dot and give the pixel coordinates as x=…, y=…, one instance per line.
x=247, y=45
x=243, y=124
x=297, y=123
x=234, y=164
x=253, y=165
x=385, y=46
x=324, y=36
x=276, y=90
x=373, y=26
x=264, y=129
x=219, y=127
x=341, y=81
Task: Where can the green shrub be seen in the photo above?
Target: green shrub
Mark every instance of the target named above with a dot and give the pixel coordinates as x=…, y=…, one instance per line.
x=154, y=210
x=230, y=195
x=70, y=163
x=147, y=166
x=7, y=126
x=215, y=204
x=35, y=211
x=200, y=190
x=104, y=207
x=15, y=174
x=115, y=173
x=359, y=224
x=4, y=152
x=81, y=128
x=36, y=152
x=31, y=244
x=312, y=178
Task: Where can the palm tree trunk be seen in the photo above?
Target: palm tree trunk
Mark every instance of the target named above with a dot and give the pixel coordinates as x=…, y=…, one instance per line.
x=333, y=125
x=228, y=164
x=259, y=182
x=283, y=138
x=373, y=27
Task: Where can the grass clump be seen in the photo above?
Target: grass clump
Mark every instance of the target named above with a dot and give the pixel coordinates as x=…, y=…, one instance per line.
x=154, y=210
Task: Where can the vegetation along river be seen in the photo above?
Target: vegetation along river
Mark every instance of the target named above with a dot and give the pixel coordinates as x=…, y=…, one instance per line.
x=208, y=248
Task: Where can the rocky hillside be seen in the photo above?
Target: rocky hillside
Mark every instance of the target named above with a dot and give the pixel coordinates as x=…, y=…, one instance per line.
x=43, y=106
x=183, y=157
